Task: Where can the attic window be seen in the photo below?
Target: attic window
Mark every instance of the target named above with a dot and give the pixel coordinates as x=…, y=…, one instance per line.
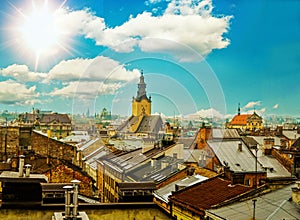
x=237, y=164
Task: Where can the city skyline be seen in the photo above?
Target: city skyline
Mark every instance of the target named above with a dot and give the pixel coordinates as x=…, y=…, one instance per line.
x=70, y=56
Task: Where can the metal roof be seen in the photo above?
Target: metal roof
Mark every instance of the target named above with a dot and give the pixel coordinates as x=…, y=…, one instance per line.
x=221, y=133
x=272, y=206
x=292, y=135
x=228, y=153
x=163, y=167
x=164, y=192
x=193, y=155
x=271, y=165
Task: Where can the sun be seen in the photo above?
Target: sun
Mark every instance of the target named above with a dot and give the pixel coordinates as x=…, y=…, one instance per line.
x=38, y=31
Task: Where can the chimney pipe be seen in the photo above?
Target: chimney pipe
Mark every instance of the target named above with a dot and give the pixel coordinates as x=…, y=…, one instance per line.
x=21, y=165
x=68, y=201
x=75, y=197
x=27, y=170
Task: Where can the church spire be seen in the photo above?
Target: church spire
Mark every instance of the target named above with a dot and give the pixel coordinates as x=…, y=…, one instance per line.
x=141, y=93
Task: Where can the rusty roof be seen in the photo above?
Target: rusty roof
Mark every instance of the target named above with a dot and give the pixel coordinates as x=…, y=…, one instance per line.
x=240, y=119
x=204, y=195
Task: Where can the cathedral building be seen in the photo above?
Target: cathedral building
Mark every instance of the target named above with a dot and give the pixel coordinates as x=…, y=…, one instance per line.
x=142, y=122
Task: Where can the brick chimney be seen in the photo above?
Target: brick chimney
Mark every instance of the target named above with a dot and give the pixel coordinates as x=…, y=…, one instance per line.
x=268, y=145
x=203, y=135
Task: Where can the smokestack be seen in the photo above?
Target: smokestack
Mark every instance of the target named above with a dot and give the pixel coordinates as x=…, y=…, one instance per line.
x=21, y=165
x=27, y=170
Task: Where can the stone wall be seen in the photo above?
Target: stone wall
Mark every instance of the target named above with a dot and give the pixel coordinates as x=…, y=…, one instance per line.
x=9, y=141
x=44, y=146
x=64, y=174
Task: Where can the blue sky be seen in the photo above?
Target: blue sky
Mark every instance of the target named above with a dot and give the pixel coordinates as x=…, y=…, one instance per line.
x=197, y=56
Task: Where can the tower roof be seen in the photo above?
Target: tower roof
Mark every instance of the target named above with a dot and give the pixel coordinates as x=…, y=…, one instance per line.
x=141, y=93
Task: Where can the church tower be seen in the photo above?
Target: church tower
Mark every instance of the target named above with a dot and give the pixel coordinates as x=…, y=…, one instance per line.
x=141, y=104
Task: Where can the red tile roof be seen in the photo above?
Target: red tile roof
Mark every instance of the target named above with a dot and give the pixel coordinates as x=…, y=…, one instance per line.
x=208, y=193
x=240, y=119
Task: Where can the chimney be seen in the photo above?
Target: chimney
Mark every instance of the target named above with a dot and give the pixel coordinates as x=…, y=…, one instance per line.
x=268, y=145
x=153, y=162
x=21, y=165
x=190, y=171
x=240, y=147
x=279, y=130
x=68, y=201
x=27, y=170
x=75, y=197
x=164, y=164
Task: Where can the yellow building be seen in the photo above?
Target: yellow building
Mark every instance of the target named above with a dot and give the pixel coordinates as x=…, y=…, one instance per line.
x=141, y=104
x=55, y=124
x=141, y=122
x=250, y=122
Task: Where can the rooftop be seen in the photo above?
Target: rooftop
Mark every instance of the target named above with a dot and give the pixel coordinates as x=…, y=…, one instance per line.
x=14, y=176
x=164, y=192
x=274, y=205
x=240, y=119
x=156, y=170
x=229, y=155
x=220, y=133
x=208, y=193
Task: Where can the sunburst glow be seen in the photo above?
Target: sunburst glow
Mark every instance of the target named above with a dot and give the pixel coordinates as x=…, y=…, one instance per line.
x=38, y=30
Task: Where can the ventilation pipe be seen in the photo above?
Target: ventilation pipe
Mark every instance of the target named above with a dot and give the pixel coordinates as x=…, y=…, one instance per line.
x=75, y=197
x=21, y=165
x=68, y=192
x=27, y=170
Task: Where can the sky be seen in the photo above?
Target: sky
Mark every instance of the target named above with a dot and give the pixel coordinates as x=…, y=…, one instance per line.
x=198, y=57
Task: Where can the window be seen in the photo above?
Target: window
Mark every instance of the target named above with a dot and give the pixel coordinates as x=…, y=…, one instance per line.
x=247, y=182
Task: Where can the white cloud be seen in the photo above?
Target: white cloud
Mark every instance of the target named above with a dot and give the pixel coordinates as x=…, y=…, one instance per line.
x=22, y=73
x=276, y=106
x=83, y=22
x=252, y=104
x=187, y=23
x=258, y=111
x=99, y=68
x=14, y=93
x=86, y=90
x=206, y=113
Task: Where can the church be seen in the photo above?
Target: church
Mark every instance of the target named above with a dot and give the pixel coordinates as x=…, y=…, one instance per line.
x=250, y=122
x=141, y=122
